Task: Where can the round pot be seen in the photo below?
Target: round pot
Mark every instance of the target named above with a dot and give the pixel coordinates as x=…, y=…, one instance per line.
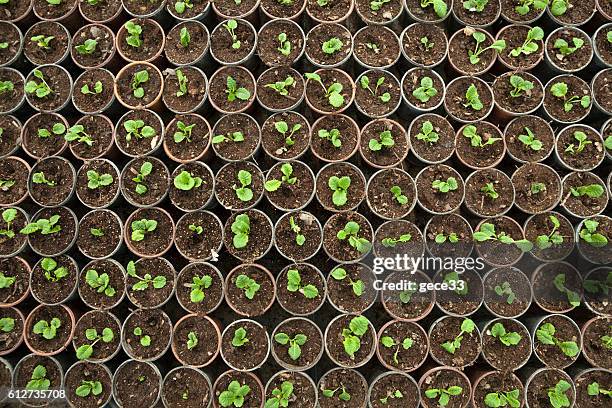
x=484, y=85
x=385, y=32
x=347, y=101
x=286, y=375
x=262, y=88
x=73, y=176
x=204, y=152
x=460, y=183
x=69, y=295
x=315, y=147
x=486, y=331
x=19, y=381
x=217, y=279
x=352, y=168
x=20, y=247
x=119, y=295
x=57, y=106
x=170, y=80
x=128, y=240
x=371, y=200
x=399, y=377
x=19, y=317
x=155, y=146
x=124, y=336
x=296, y=367
x=412, y=106
x=126, y=178
x=81, y=33
x=423, y=382
x=493, y=259
x=175, y=376
x=187, y=15
x=592, y=350
x=366, y=359
x=175, y=351
x=75, y=401
x=403, y=369
x=138, y=367
x=365, y=231
x=69, y=245
x=17, y=89
x=154, y=102
x=344, y=380
x=232, y=326
x=26, y=281
x=218, y=73
x=536, y=342
x=213, y=250
x=604, y=252
x=491, y=297
x=245, y=377
x=301, y=42
x=321, y=293
x=248, y=58
x=121, y=34
x=85, y=8
x=28, y=324
x=228, y=283
x=156, y=264
x=422, y=27
x=346, y=36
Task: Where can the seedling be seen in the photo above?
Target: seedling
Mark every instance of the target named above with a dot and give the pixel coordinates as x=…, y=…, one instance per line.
x=197, y=295
x=507, y=338
x=47, y=330
x=185, y=181
x=185, y=37
x=445, y=186
x=426, y=91
x=96, y=180
x=57, y=129
x=332, y=135
x=96, y=89
x=234, y=395
x=572, y=297
x=192, y=340
x=248, y=285
x=284, y=44
x=565, y=49
x=100, y=282
x=181, y=6
x=141, y=227
x=376, y=5
x=530, y=141
x=558, y=395
x=333, y=93
x=6, y=86
x=6, y=281
x=340, y=274
x=139, y=78
x=281, y=87
x=589, y=234
x=475, y=5
x=559, y=7
x=393, y=395
x=294, y=284
x=182, y=82
x=595, y=286
x=233, y=91
x=530, y=45
x=454, y=281
x=244, y=193
x=467, y=326
x=343, y=395
x=554, y=238
x=89, y=387
x=590, y=190
x=441, y=238
x=87, y=48
x=41, y=89
x=388, y=342
x=501, y=399
x=145, y=170
x=593, y=389
x=350, y=232
x=8, y=216
x=145, y=339
x=582, y=140
x=282, y=128
x=143, y=282
x=471, y=132
x=44, y=226
x=323, y=3
x=196, y=229
x=231, y=26
x=77, y=134
x=184, y=132
x=439, y=6
x=7, y=324
x=287, y=170
x=487, y=233
x=96, y=232
x=39, y=380
x=294, y=343
x=520, y=86
x=134, y=31
x=524, y=6
x=352, y=336
x=537, y=188
x=397, y=194
x=545, y=335
x=299, y=238
x=427, y=45
x=5, y=185
x=559, y=90
x=230, y=137
x=339, y=186
x=39, y=178
x=489, y=190
x=332, y=45
x=365, y=84
x=427, y=133
x=498, y=45
x=392, y=242
x=443, y=394
x=52, y=272
x=472, y=98
x=137, y=129
x=240, y=337
x=42, y=41
x=241, y=227
x=280, y=396
x=86, y=350
x=373, y=47
x=385, y=139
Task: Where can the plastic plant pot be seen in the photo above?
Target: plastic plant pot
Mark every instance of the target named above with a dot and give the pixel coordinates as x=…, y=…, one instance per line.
x=362, y=53
x=22, y=291
x=194, y=198
x=583, y=381
x=156, y=185
x=198, y=11
x=462, y=41
x=23, y=9
x=377, y=94
x=149, y=11
x=577, y=88
x=399, y=331
x=24, y=370
x=196, y=88
x=482, y=188
x=316, y=40
x=438, y=172
x=482, y=387
x=496, y=253
x=255, y=398
x=97, y=102
x=422, y=30
x=290, y=196
x=116, y=281
x=11, y=247
x=102, y=138
x=344, y=381
x=317, y=13
x=465, y=293
x=198, y=325
x=502, y=86
x=542, y=350
x=427, y=14
x=292, y=12
x=322, y=146
x=132, y=370
x=544, y=225
x=54, y=74
x=330, y=337
x=190, y=380
x=29, y=324
x=527, y=181
x=328, y=75
x=232, y=183
x=587, y=10
x=308, y=357
x=475, y=154
x=41, y=28
x=468, y=16
x=217, y=94
x=387, y=16
x=568, y=151
x=213, y=297
x=231, y=126
x=554, y=60
x=173, y=46
x=304, y=388
x=524, y=152
x=600, y=60
x=144, y=282
x=592, y=205
x=516, y=36
x=156, y=32
x=443, y=334
x=165, y=243
x=371, y=139
x=598, y=83
x=295, y=302
x=144, y=145
x=325, y=194
x=244, y=248
x=431, y=379
x=163, y=328
x=153, y=73
x=426, y=149
x=592, y=342
x=97, y=347
x=412, y=74
x=225, y=13
x=343, y=288
x=67, y=182
x=51, y=244
x=448, y=235
x=40, y=283
x=594, y=251
x=84, y=371
x=31, y=142
x=17, y=330
x=276, y=58
x=287, y=242
x=198, y=144
x=382, y=201
x=84, y=174
x=236, y=353
x=595, y=297
x=507, y=296
x=398, y=237
x=341, y=250
x=191, y=244
x=288, y=97
x=234, y=294
x=459, y=112
x=93, y=31
x=236, y=35
x=500, y=351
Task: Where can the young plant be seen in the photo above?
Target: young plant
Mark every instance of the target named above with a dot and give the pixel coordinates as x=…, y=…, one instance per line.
x=184, y=132
x=593, y=389
x=185, y=37
x=385, y=139
x=498, y=45
x=524, y=6
x=397, y=194
x=595, y=286
x=294, y=284
x=520, y=86
x=333, y=93
x=87, y=48
x=182, y=82
x=445, y=186
x=388, y=342
x=96, y=180
x=559, y=7
x=233, y=91
x=339, y=186
x=453, y=279
x=52, y=272
x=283, y=128
x=139, y=78
x=340, y=274
x=185, y=181
x=554, y=238
x=467, y=326
x=572, y=297
x=389, y=242
x=280, y=396
x=231, y=26
x=97, y=88
x=281, y=87
x=487, y=233
x=157, y=282
x=559, y=90
x=141, y=227
x=343, y=395
x=427, y=45
x=248, y=285
x=234, y=395
x=192, y=340
x=489, y=190
x=427, y=133
x=590, y=190
x=6, y=281
x=530, y=45
x=77, y=134
x=44, y=226
x=57, y=129
x=443, y=394
x=502, y=399
x=425, y=91
x=134, y=31
x=181, y=6
x=42, y=41
x=471, y=132
x=537, y=188
x=7, y=324
x=241, y=227
x=393, y=395
x=137, y=129
x=145, y=170
x=376, y=5
x=89, y=388
x=244, y=193
x=47, y=330
x=8, y=216
x=472, y=98
x=365, y=84
x=86, y=350
x=299, y=238
x=96, y=232
x=546, y=335
x=441, y=238
x=352, y=335
x=332, y=46
x=565, y=49
x=274, y=184
x=240, y=337
x=145, y=339
x=196, y=294
x=589, y=234
x=294, y=343
x=558, y=394
x=5, y=185
x=582, y=140
x=333, y=136
x=475, y=5
x=284, y=44
x=530, y=141
x=507, y=338
x=100, y=282
x=39, y=178
x=350, y=232
x=38, y=380
x=439, y=6
x=230, y=137
x=6, y=86
x=41, y=89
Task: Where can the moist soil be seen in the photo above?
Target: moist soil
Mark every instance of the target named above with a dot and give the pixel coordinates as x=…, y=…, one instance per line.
x=260, y=236
x=101, y=132
x=155, y=242
x=10, y=36
x=412, y=81
x=542, y=131
x=292, y=196
x=311, y=350
x=92, y=103
x=341, y=250
x=26, y=369
x=520, y=287
x=278, y=10
x=481, y=203
x=152, y=88
x=382, y=201
x=578, y=14
x=372, y=105
x=461, y=43
x=17, y=268
x=574, y=61
x=221, y=43
x=237, y=151
x=325, y=32
x=496, y=252
x=208, y=340
x=49, y=292
x=476, y=18
x=304, y=391
x=341, y=294
x=274, y=143
x=17, y=171
x=315, y=94
x=139, y=146
x=502, y=357
x=251, y=354
x=98, y=320
x=388, y=47
x=334, y=343
x=236, y=297
x=455, y=98
x=477, y=156
x=446, y=225
x=353, y=383
x=497, y=382
x=11, y=135
x=103, y=195
x=63, y=333
x=295, y=302
x=554, y=106
x=142, y=7
x=192, y=149
x=285, y=237
x=196, y=90
x=416, y=52
x=60, y=83
x=387, y=12
x=58, y=171
x=57, y=47
x=87, y=371
x=598, y=301
x=40, y=147
x=186, y=381
x=212, y=294
x=433, y=200
x=137, y=384
x=515, y=36
x=583, y=206
x=426, y=14
x=13, y=10
x=199, y=246
x=593, y=343
x=591, y=155
x=509, y=13
x=349, y=136
x=105, y=46
x=603, y=46
x=407, y=360
x=157, y=183
x=253, y=399
x=218, y=88
x=179, y=55
x=545, y=292
x=541, y=224
x=100, y=14
x=9, y=246
x=394, y=229
x=11, y=99
x=602, y=90
x=268, y=44
x=433, y=152
x=274, y=100
x=198, y=7
x=332, y=12
x=151, y=297
x=230, y=8
x=194, y=199
x=598, y=254
x=13, y=337
x=58, y=242
x=91, y=296
x=526, y=102
x=461, y=304
x=551, y=355
x=388, y=385
x=227, y=182
x=47, y=10
x=355, y=192
x=151, y=44
x=443, y=379
x=583, y=399
x=537, y=390
x=153, y=323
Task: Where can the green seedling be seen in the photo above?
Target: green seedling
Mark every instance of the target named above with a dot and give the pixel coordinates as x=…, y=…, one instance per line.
x=333, y=93
x=454, y=281
x=144, y=339
x=240, y=337
x=589, y=234
x=506, y=338
x=358, y=286
x=502, y=399
x=57, y=129
x=234, y=395
x=196, y=294
x=44, y=226
x=467, y=326
x=472, y=98
x=554, y=238
x=572, y=297
x=87, y=48
x=248, y=285
x=186, y=181
x=440, y=238
x=5, y=185
x=77, y=134
x=487, y=232
x=593, y=389
x=243, y=192
x=445, y=186
x=427, y=45
x=283, y=128
x=425, y=91
x=595, y=286
x=6, y=281
x=589, y=190
x=559, y=7
x=479, y=37
x=134, y=31
x=439, y=6
x=388, y=342
x=530, y=141
x=52, y=272
x=143, y=282
x=385, y=139
x=427, y=133
x=42, y=89
x=489, y=191
x=582, y=140
x=442, y=394
x=294, y=351
x=471, y=132
x=182, y=82
x=373, y=47
x=520, y=86
x=234, y=92
x=376, y=5
x=42, y=41
x=145, y=170
x=339, y=186
x=181, y=6
x=565, y=49
x=231, y=27
x=545, y=334
x=475, y=5
x=343, y=395
x=284, y=44
x=560, y=89
x=192, y=340
x=398, y=196
x=558, y=394
x=332, y=46
x=39, y=178
x=139, y=78
x=294, y=284
x=530, y=45
x=185, y=37
x=350, y=232
x=525, y=6
x=184, y=132
x=392, y=242
x=299, y=238
x=96, y=232
x=38, y=380
x=97, y=89
x=7, y=324
x=352, y=335
x=365, y=84
x=333, y=136
x=6, y=86
x=89, y=388
x=100, y=282
x=282, y=87
x=96, y=180
x=8, y=216
x=86, y=350
x=537, y=188
x=47, y=330
x=141, y=227
x=230, y=137
x=397, y=394
x=138, y=130
x=241, y=227
x=280, y=396
x=287, y=171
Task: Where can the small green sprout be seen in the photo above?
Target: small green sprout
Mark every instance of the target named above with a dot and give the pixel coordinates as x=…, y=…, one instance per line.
x=86, y=350
x=241, y=227
x=89, y=388
x=197, y=229
x=487, y=233
x=231, y=26
x=593, y=389
x=507, y=338
x=558, y=395
x=182, y=81
x=489, y=190
x=467, y=326
x=44, y=226
x=282, y=128
x=41, y=89
x=332, y=45
x=137, y=129
x=560, y=89
x=39, y=380
x=332, y=135
x=444, y=394
x=472, y=98
x=57, y=129
x=192, y=340
x=589, y=234
x=524, y=6
x=39, y=178
x=42, y=41
x=233, y=91
x=559, y=7
x=248, y=285
x=185, y=181
x=6, y=86
x=582, y=140
x=184, y=132
x=339, y=186
x=230, y=137
x=520, y=86
x=196, y=294
x=8, y=216
x=427, y=45
x=565, y=49
x=145, y=339
x=439, y=6
x=77, y=134
x=7, y=324
x=134, y=31
x=350, y=232
x=590, y=190
x=100, y=282
x=453, y=279
x=554, y=238
x=294, y=351
x=284, y=44
x=343, y=395
x=397, y=194
x=96, y=232
x=545, y=334
x=6, y=281
x=87, y=48
x=427, y=133
x=47, y=330
x=96, y=180
x=287, y=170
x=244, y=193
x=97, y=89
x=393, y=395
x=282, y=87
x=537, y=188
x=240, y=337
x=475, y=5
x=234, y=395
x=530, y=140
x=52, y=272
x=280, y=396
x=392, y=242
x=530, y=45
x=139, y=78
x=388, y=342
x=471, y=132
x=185, y=37
x=5, y=185
x=333, y=93
x=572, y=297
x=181, y=6
x=358, y=286
x=445, y=186
x=385, y=139
x=479, y=37
x=425, y=91
x=143, y=282
x=501, y=399
x=595, y=286
x=294, y=284
x=352, y=335
x=141, y=227
x=365, y=84
x=441, y=238
x=145, y=170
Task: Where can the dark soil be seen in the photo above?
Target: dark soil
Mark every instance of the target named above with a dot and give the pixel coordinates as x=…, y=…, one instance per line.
x=482, y=203
x=583, y=399
x=436, y=152
x=199, y=246
x=593, y=347
x=540, y=224
x=310, y=352
x=412, y=81
x=280, y=10
x=155, y=242
x=341, y=250
x=59, y=81
x=497, y=382
x=58, y=46
x=11, y=36
x=486, y=17
x=63, y=333
x=432, y=199
x=270, y=98
x=263, y=298
x=598, y=254
x=355, y=193
x=230, y=8
x=139, y=146
x=484, y=156
x=444, y=378
x=598, y=301
x=387, y=12
x=152, y=88
x=565, y=330
x=11, y=339
x=527, y=101
x=14, y=10
x=18, y=268
x=10, y=246
x=251, y=354
x=198, y=46
x=102, y=195
x=407, y=360
x=352, y=381
x=260, y=236
x=208, y=340
x=574, y=61
x=254, y=399
x=58, y=171
x=341, y=294
x=151, y=44
x=459, y=45
x=446, y=225
x=316, y=96
x=583, y=206
x=190, y=382
x=151, y=297
x=554, y=105
x=100, y=129
x=603, y=46
x=304, y=391
x=98, y=320
x=520, y=285
x=196, y=90
x=221, y=43
x=578, y=14
x=92, y=103
x=601, y=87
x=105, y=46
x=274, y=143
x=157, y=183
x=332, y=12
x=446, y=330
x=461, y=304
x=116, y=279
x=509, y=13
x=321, y=33
x=537, y=390
x=296, y=302
x=49, y=292
x=387, y=156
x=267, y=41
x=100, y=14
x=390, y=384
x=455, y=99
x=285, y=239
x=11, y=99
x=496, y=252
x=369, y=100
x=382, y=201
x=17, y=171
x=540, y=129
x=388, y=46
x=137, y=384
x=11, y=135
x=349, y=136
x=25, y=370
x=334, y=339
x=417, y=52
x=528, y=201
x=414, y=248
x=502, y=357
x=515, y=36
x=154, y=323
x=61, y=241
x=197, y=197
x=292, y=196
x=592, y=154
x=546, y=294
x=87, y=371
x=218, y=89
x=196, y=146
x=212, y=294
x=227, y=182
x=237, y=151
x=40, y=147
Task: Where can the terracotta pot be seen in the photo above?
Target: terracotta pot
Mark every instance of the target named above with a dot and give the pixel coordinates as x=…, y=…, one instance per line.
x=28, y=324
x=217, y=331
